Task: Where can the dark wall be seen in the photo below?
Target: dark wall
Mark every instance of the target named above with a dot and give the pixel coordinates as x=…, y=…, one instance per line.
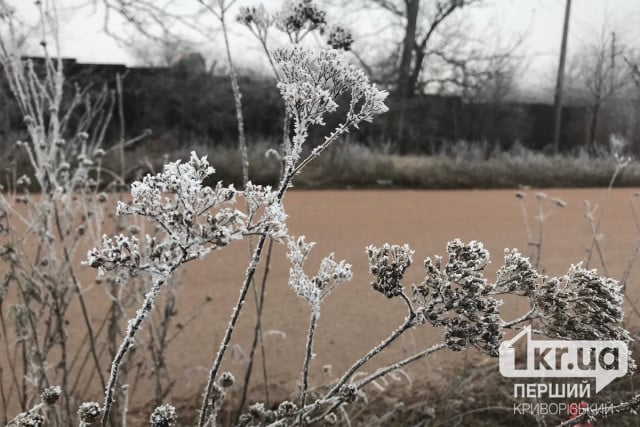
x=184, y=105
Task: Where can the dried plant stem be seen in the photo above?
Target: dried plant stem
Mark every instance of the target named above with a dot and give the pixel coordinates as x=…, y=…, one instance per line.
x=5, y=406
x=525, y=218
x=83, y=305
x=235, y=87
x=125, y=405
x=12, y=367
x=596, y=227
x=632, y=257
x=524, y=318
x=257, y=338
x=253, y=265
x=229, y=332
x=307, y=360
x=380, y=373
x=132, y=328
x=237, y=97
x=538, y=243
x=409, y=322
x=384, y=371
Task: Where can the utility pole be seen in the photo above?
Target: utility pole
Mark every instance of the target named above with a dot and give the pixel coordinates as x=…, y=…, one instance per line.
x=613, y=61
x=560, y=80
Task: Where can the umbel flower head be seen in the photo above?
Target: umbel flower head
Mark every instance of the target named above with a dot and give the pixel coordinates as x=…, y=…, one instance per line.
x=517, y=275
x=89, y=412
x=388, y=265
x=254, y=15
x=193, y=220
x=51, y=395
x=457, y=297
x=311, y=83
x=163, y=416
x=339, y=37
x=581, y=305
x=300, y=16
x=314, y=289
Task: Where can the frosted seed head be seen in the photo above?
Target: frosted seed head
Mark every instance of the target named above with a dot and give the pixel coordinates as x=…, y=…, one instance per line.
x=163, y=416
x=89, y=412
x=339, y=38
x=51, y=395
x=388, y=264
x=287, y=409
x=28, y=420
x=348, y=393
x=226, y=380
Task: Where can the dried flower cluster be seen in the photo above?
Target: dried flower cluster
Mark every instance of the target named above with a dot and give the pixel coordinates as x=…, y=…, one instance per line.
x=300, y=16
x=51, y=395
x=314, y=289
x=163, y=416
x=517, y=275
x=388, y=265
x=254, y=15
x=580, y=305
x=194, y=218
x=458, y=299
x=89, y=412
x=297, y=20
x=339, y=37
x=312, y=81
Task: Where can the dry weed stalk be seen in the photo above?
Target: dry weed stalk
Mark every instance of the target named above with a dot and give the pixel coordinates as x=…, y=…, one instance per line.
x=47, y=216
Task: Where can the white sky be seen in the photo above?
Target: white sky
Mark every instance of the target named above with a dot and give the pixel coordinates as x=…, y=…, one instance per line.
x=540, y=21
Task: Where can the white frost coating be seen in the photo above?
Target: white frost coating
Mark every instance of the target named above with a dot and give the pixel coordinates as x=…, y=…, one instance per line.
x=312, y=81
x=314, y=289
x=193, y=220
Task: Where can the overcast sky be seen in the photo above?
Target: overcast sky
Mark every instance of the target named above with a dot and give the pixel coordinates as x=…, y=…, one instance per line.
x=539, y=21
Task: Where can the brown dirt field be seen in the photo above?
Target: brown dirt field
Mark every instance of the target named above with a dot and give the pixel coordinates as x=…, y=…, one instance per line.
x=355, y=318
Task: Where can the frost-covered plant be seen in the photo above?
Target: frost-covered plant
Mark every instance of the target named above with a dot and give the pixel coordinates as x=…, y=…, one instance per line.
x=311, y=83
x=388, y=265
x=457, y=298
x=298, y=18
x=545, y=208
x=193, y=220
x=517, y=275
x=163, y=416
x=89, y=413
x=55, y=207
x=581, y=305
x=339, y=37
x=314, y=289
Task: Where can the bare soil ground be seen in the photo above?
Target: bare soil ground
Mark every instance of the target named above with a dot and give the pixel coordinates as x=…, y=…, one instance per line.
x=355, y=318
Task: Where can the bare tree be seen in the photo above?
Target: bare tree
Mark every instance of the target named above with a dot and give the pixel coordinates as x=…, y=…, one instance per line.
x=597, y=77
x=437, y=53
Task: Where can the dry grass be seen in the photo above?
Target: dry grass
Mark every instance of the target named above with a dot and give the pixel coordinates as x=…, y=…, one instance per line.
x=350, y=165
